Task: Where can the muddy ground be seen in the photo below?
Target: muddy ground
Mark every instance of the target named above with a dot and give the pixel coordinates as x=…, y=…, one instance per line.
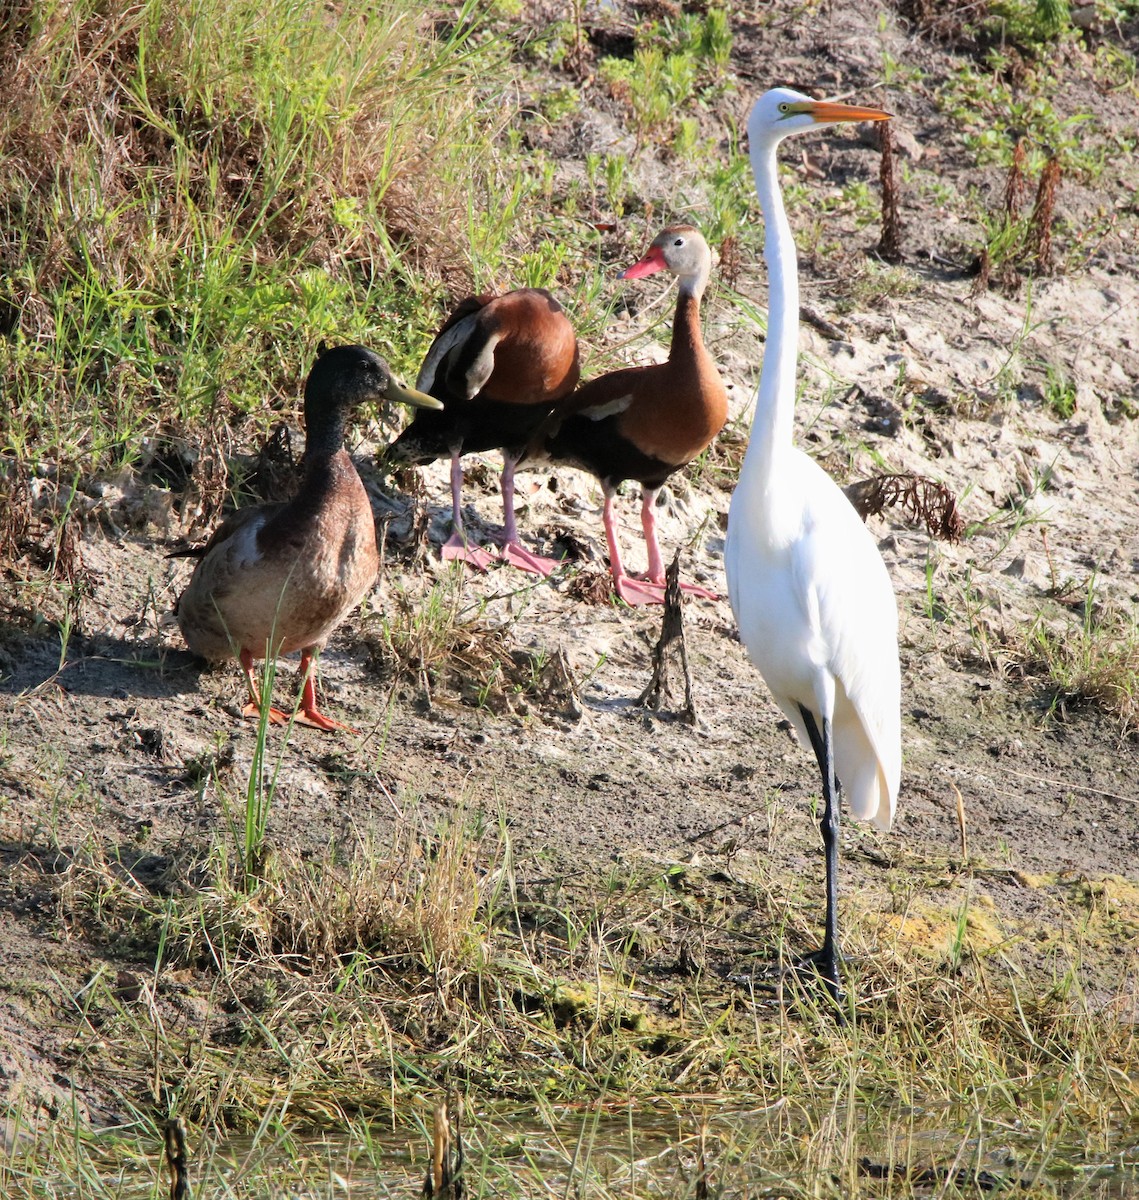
x=532, y=713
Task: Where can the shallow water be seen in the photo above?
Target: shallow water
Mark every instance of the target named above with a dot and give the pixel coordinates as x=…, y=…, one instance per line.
x=770, y=1152
x=652, y=1153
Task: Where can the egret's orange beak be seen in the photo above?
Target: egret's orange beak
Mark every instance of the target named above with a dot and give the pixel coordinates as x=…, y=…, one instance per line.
x=826, y=111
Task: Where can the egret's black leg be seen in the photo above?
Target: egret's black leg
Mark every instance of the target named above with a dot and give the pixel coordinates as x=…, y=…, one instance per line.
x=828, y=959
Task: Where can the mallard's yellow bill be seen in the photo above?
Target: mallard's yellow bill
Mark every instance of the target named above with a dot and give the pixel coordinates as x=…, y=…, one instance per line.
x=402, y=394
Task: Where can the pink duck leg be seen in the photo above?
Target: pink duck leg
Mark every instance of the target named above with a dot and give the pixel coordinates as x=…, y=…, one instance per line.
x=513, y=551
x=656, y=562
x=632, y=591
x=455, y=547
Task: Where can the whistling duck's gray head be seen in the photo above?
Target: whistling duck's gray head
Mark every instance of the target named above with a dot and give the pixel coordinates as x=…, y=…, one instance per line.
x=680, y=249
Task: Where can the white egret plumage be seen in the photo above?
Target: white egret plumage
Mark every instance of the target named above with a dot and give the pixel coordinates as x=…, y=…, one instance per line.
x=807, y=584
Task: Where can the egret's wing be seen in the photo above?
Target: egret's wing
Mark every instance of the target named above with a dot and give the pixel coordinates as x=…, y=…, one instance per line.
x=855, y=618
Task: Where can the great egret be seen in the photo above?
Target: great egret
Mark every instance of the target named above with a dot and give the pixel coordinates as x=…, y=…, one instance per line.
x=500, y=364
x=646, y=422
x=809, y=590
x=275, y=578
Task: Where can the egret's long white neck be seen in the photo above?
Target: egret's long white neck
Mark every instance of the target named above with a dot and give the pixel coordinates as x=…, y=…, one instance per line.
x=775, y=404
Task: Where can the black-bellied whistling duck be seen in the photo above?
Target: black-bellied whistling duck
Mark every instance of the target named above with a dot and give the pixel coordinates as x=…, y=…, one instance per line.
x=644, y=423
x=275, y=578
x=499, y=364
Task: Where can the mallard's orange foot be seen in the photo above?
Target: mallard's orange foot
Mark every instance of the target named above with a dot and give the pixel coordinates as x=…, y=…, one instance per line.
x=317, y=720
x=455, y=549
x=252, y=712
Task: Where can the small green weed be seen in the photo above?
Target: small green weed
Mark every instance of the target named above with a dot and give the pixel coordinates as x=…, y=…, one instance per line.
x=1059, y=392
x=1094, y=660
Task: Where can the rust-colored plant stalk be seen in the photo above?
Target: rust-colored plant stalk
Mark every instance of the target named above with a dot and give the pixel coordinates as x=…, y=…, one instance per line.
x=924, y=501
x=890, y=243
x=1040, y=227
x=1014, y=182
x=730, y=260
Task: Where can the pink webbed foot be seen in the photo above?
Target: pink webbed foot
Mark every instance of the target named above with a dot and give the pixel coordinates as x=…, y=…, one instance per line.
x=637, y=592
x=518, y=556
x=455, y=549
x=701, y=593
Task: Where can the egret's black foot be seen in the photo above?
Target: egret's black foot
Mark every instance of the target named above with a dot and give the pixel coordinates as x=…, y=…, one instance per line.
x=827, y=965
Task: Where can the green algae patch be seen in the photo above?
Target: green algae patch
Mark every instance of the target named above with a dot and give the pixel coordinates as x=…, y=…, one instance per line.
x=940, y=931
x=1111, y=904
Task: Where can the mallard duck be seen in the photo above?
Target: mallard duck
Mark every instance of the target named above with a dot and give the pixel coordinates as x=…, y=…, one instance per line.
x=644, y=423
x=500, y=364
x=275, y=578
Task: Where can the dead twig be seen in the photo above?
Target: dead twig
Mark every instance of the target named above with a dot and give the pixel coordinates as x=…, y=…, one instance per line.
x=16, y=514
x=984, y=271
x=209, y=483
x=961, y=828
x=444, y=1179
x=671, y=634
x=175, y=1134
x=276, y=477
x=924, y=501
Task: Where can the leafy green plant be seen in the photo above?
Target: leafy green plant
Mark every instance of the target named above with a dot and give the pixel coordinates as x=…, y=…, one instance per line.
x=617, y=182
x=1094, y=661
x=1032, y=24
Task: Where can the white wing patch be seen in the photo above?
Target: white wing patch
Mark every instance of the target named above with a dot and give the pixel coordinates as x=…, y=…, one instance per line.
x=609, y=409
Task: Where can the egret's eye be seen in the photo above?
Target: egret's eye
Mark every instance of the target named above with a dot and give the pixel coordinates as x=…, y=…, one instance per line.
x=785, y=107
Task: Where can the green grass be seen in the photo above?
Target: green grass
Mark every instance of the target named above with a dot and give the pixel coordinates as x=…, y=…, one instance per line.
x=342, y=993
x=197, y=193
x=1089, y=658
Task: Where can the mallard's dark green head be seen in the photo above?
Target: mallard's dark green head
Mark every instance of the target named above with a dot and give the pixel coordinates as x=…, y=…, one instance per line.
x=343, y=378
x=346, y=376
